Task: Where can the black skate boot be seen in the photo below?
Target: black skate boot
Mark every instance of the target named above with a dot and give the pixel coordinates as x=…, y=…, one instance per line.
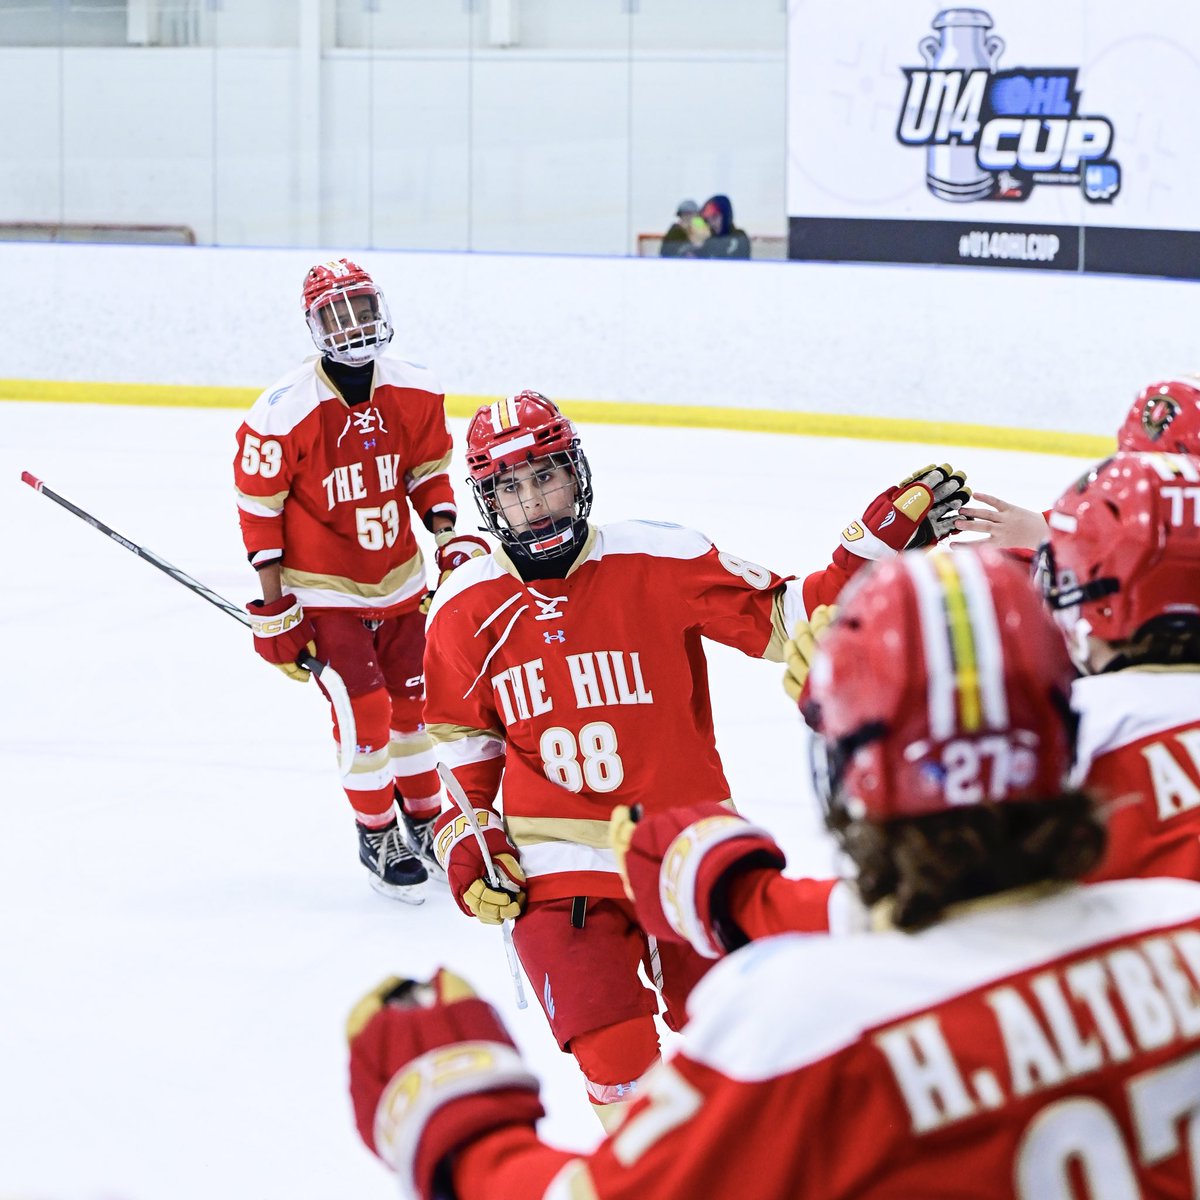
x=418, y=833
x=394, y=871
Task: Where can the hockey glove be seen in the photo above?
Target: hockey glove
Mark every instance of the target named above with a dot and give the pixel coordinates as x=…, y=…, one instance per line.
x=950, y=493
x=920, y=510
x=799, y=649
x=453, y=549
x=432, y=1069
x=282, y=633
x=675, y=866
x=460, y=857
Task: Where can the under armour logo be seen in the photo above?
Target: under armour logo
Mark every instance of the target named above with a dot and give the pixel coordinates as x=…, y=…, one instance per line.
x=548, y=998
x=557, y=636
x=548, y=605
x=623, y=1089
x=369, y=445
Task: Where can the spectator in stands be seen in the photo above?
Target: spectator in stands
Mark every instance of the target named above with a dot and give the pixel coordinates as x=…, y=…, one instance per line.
x=726, y=240
x=687, y=234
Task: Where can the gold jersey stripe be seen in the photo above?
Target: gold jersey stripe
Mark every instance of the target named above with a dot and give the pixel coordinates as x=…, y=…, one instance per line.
x=580, y=831
x=531, y=831
x=962, y=644
x=440, y=732
x=274, y=502
x=392, y=582
x=422, y=471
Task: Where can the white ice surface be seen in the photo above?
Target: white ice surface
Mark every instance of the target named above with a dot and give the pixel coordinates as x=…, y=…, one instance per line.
x=183, y=920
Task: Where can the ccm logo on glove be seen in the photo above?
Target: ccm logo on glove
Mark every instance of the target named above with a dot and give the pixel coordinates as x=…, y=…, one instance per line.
x=274, y=626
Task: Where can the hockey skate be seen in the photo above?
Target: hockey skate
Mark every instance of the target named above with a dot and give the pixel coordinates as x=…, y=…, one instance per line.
x=394, y=871
x=418, y=833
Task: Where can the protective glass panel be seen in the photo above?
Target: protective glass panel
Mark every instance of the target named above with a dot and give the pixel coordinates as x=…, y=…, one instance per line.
x=492, y=125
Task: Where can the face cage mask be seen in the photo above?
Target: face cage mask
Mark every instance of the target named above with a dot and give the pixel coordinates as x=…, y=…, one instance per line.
x=339, y=331
x=560, y=537
x=1065, y=596
x=828, y=762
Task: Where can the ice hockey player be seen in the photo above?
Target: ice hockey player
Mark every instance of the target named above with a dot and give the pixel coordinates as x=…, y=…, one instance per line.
x=570, y=669
x=1122, y=570
x=1165, y=416
x=328, y=462
x=1002, y=1033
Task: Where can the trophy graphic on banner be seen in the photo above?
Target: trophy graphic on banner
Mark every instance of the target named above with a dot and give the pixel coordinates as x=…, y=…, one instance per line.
x=962, y=44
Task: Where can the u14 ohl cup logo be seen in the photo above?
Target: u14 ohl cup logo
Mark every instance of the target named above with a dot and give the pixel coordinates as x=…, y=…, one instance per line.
x=991, y=134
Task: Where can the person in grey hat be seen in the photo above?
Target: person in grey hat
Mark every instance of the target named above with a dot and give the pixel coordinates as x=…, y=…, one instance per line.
x=687, y=233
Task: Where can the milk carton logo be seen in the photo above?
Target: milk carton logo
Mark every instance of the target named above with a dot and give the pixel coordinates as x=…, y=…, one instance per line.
x=992, y=134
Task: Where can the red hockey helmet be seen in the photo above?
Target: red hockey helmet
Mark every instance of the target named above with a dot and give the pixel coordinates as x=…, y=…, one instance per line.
x=523, y=429
x=346, y=313
x=1124, y=548
x=1165, y=416
x=943, y=682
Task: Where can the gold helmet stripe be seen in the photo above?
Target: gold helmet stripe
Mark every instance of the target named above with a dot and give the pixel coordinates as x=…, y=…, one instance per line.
x=957, y=617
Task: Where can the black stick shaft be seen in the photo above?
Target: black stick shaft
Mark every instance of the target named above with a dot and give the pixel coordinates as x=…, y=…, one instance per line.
x=149, y=556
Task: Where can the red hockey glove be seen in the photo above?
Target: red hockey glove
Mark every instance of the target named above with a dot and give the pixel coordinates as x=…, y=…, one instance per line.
x=432, y=1068
x=920, y=510
x=675, y=866
x=460, y=857
x=282, y=633
x=453, y=549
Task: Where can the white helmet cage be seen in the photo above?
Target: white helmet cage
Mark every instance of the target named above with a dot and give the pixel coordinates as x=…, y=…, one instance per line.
x=350, y=322
x=560, y=537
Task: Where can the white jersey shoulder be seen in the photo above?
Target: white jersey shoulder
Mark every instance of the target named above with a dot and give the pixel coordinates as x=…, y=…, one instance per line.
x=399, y=372
x=783, y=1003
x=282, y=406
x=1129, y=705
x=470, y=574
x=658, y=539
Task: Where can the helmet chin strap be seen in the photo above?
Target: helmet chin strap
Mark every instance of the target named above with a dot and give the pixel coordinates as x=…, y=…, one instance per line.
x=358, y=357
x=561, y=539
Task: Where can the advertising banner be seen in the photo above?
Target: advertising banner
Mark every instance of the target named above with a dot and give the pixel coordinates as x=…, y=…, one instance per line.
x=1050, y=136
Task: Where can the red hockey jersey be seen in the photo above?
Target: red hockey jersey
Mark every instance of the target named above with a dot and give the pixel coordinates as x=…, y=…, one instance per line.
x=1139, y=752
x=1022, y=1049
x=327, y=487
x=592, y=691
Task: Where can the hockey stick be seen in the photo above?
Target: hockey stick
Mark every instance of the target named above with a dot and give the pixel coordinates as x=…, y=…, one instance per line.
x=335, y=689
x=493, y=876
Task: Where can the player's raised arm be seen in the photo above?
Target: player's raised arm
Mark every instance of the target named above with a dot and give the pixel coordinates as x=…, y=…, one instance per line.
x=919, y=511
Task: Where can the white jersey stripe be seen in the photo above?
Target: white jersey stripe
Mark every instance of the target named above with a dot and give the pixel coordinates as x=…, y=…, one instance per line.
x=475, y=748
x=814, y=1001
x=935, y=637
x=553, y=858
